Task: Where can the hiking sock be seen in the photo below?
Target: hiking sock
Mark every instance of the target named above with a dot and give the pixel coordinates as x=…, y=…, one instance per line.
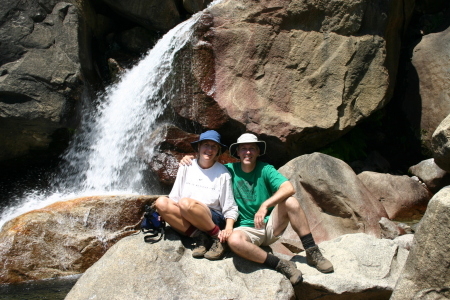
x=308, y=241
x=271, y=261
x=192, y=231
x=214, y=232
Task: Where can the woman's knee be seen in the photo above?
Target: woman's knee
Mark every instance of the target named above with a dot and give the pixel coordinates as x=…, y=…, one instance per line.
x=162, y=204
x=185, y=204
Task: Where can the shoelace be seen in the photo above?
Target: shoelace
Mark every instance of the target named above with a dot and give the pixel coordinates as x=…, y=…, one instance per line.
x=316, y=255
x=215, y=245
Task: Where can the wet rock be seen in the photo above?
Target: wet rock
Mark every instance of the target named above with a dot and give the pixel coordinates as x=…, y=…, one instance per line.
x=66, y=237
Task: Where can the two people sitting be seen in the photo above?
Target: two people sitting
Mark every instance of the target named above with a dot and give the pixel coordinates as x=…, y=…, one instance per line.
x=263, y=196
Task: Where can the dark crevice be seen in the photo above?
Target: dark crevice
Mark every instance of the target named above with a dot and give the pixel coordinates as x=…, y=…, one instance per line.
x=14, y=98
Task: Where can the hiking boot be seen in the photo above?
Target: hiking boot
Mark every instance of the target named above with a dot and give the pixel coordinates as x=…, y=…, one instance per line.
x=217, y=250
x=315, y=259
x=288, y=269
x=202, y=244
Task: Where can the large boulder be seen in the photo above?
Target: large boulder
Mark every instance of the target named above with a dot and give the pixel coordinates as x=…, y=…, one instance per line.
x=335, y=201
x=426, y=274
x=166, y=270
x=403, y=197
x=440, y=143
x=67, y=237
x=40, y=73
x=431, y=174
x=133, y=269
x=299, y=73
x=431, y=60
x=364, y=268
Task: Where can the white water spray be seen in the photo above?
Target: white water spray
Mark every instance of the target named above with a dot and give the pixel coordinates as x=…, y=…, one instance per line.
x=107, y=156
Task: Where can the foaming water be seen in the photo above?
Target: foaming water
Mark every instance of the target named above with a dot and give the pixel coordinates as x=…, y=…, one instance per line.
x=109, y=154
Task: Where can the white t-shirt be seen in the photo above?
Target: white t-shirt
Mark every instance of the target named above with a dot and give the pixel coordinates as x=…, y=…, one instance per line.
x=211, y=186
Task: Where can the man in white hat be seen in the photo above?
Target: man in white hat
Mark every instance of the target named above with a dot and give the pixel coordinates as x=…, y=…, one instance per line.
x=266, y=207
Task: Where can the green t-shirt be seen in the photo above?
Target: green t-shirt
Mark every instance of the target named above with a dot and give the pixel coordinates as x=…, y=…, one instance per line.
x=252, y=189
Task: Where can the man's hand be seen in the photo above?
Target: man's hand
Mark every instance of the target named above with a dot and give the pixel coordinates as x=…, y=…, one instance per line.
x=259, y=217
x=186, y=160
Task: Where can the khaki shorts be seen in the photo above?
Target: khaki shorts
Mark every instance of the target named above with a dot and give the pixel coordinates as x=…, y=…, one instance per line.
x=261, y=237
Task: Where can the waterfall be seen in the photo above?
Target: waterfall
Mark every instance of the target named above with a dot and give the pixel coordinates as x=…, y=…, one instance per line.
x=105, y=157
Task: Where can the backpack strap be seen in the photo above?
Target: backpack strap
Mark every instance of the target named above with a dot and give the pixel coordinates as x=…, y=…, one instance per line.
x=154, y=233
x=152, y=225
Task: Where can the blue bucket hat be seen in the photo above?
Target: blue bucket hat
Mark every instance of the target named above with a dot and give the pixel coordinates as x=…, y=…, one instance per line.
x=210, y=135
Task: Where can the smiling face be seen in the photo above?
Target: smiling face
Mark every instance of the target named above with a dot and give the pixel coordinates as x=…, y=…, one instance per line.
x=248, y=153
x=208, y=151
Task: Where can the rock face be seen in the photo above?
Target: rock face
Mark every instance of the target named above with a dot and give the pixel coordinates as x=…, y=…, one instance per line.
x=429, y=172
x=431, y=59
x=66, y=238
x=151, y=14
x=364, y=268
x=193, y=6
x=40, y=73
x=426, y=274
x=299, y=73
x=173, y=144
x=441, y=144
x=133, y=269
x=335, y=201
x=402, y=197
x=169, y=269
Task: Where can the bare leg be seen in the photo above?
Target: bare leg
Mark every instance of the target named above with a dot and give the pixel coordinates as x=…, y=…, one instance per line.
x=290, y=211
x=196, y=213
x=241, y=244
x=170, y=212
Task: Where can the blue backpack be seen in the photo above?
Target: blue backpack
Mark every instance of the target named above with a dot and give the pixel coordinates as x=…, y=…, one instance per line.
x=153, y=225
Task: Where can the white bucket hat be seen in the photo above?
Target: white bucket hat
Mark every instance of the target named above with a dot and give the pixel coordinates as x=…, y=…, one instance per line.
x=247, y=138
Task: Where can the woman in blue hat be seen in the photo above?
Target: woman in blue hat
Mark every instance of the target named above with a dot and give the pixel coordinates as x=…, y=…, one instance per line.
x=201, y=203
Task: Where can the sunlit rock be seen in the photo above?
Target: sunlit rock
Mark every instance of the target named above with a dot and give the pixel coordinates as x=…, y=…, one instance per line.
x=364, y=267
x=298, y=73
x=67, y=237
x=403, y=197
x=426, y=274
x=335, y=201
